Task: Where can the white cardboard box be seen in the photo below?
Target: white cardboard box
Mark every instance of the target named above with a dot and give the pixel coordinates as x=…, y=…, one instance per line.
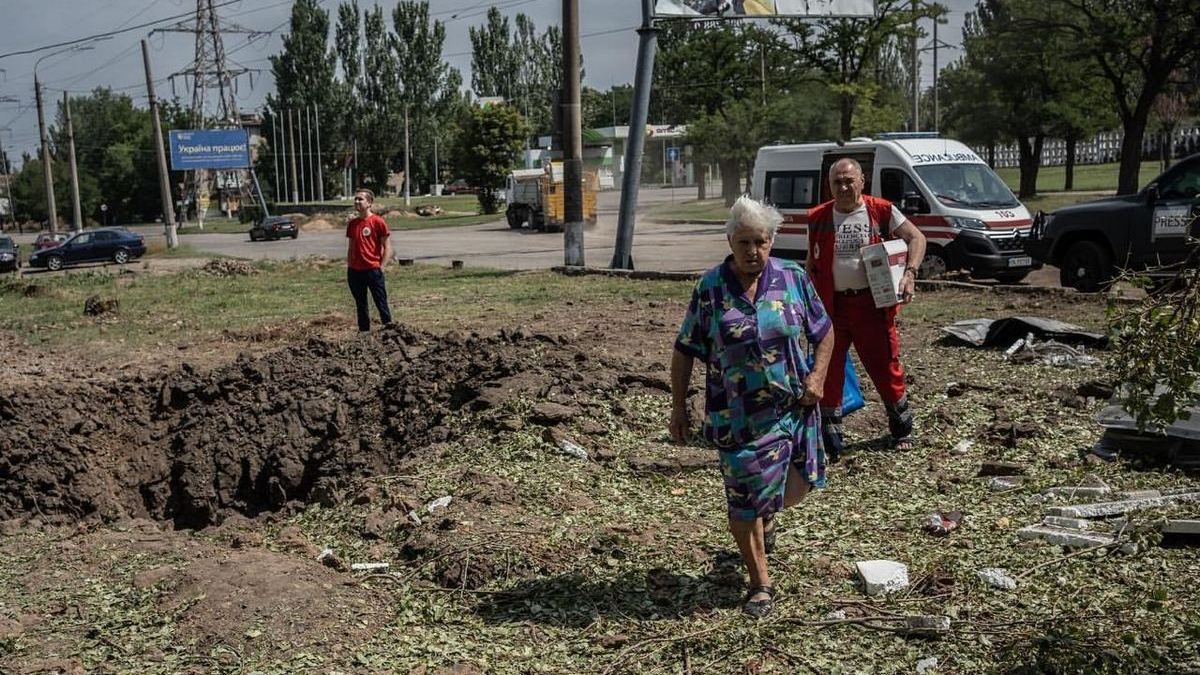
x=885, y=263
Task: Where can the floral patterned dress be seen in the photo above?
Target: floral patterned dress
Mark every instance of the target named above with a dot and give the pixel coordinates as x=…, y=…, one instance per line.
x=755, y=370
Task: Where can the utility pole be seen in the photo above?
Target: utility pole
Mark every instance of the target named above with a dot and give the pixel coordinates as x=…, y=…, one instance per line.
x=164, y=178
x=935, y=74
x=7, y=167
x=76, y=210
x=275, y=149
x=47, y=172
x=635, y=143
x=305, y=180
x=916, y=74
x=407, y=181
x=572, y=144
x=320, y=170
x=292, y=143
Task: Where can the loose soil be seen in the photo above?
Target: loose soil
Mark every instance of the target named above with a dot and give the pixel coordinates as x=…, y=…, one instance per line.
x=201, y=497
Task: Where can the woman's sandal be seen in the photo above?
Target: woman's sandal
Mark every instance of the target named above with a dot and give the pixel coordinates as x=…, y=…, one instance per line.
x=759, y=608
x=769, y=533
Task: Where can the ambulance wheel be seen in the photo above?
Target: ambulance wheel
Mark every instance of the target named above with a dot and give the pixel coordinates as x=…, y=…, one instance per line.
x=936, y=263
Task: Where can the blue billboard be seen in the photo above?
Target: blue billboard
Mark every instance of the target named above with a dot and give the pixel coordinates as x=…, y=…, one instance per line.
x=210, y=149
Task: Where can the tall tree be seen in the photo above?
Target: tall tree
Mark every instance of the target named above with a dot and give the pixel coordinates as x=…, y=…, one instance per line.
x=845, y=53
x=699, y=73
x=518, y=64
x=1138, y=46
x=114, y=153
x=428, y=85
x=487, y=149
x=304, y=72
x=382, y=114
x=348, y=47
x=732, y=136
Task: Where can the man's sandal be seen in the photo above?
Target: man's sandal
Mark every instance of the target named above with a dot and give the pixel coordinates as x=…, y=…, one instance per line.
x=759, y=608
x=904, y=443
x=769, y=533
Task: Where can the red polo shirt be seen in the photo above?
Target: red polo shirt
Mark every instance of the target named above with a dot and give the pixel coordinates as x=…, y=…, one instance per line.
x=367, y=235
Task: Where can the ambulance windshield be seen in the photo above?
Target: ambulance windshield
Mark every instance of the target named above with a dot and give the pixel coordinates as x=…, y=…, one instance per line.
x=967, y=186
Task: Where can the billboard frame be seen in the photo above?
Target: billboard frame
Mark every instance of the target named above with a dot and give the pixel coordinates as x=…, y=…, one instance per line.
x=726, y=10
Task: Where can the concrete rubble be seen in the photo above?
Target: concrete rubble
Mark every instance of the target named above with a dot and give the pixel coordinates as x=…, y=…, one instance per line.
x=997, y=578
x=927, y=625
x=882, y=576
x=1103, y=509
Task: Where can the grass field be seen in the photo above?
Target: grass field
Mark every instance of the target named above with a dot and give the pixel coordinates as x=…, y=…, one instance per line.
x=1089, y=180
x=614, y=569
x=196, y=304
x=1088, y=177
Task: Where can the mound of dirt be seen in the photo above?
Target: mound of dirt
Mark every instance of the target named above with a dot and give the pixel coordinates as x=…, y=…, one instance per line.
x=319, y=224
x=219, y=267
x=264, y=432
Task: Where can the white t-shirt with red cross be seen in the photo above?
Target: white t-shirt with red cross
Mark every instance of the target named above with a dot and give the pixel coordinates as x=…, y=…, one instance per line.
x=852, y=231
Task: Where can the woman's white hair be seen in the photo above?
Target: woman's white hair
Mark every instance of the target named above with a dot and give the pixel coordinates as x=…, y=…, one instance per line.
x=755, y=214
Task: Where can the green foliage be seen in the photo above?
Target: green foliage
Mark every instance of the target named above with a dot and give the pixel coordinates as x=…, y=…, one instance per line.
x=715, y=78
x=487, y=149
x=735, y=133
x=1156, y=349
x=607, y=108
x=304, y=84
x=518, y=64
x=858, y=57
x=1136, y=48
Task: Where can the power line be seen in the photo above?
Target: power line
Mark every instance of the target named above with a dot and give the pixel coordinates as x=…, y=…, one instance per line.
x=110, y=33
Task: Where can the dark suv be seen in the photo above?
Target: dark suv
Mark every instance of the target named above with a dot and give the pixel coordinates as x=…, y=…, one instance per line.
x=10, y=254
x=274, y=227
x=109, y=243
x=1090, y=242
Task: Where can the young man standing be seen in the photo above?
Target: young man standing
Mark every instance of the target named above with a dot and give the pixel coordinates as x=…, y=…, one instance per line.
x=369, y=249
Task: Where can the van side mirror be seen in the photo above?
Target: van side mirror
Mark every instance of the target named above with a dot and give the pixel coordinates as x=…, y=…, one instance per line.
x=914, y=203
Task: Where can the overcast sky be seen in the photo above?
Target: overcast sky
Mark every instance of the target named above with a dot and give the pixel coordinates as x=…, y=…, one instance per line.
x=607, y=28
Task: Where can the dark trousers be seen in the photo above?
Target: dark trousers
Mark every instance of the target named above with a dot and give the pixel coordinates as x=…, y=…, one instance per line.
x=372, y=280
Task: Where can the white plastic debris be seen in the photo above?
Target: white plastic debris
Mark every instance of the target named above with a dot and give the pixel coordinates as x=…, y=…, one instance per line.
x=414, y=518
x=573, y=449
x=1015, y=347
x=835, y=615
x=928, y=664
x=439, y=503
x=963, y=447
x=882, y=576
x=369, y=567
x=997, y=577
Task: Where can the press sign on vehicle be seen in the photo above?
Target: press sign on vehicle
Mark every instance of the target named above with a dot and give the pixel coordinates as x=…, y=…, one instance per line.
x=1170, y=221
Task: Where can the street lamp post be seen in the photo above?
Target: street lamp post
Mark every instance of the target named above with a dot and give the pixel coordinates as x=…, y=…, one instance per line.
x=47, y=172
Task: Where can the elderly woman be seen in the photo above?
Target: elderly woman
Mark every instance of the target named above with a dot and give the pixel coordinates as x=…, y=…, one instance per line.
x=746, y=320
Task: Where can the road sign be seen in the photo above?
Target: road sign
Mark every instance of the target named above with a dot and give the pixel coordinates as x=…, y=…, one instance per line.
x=209, y=149
x=672, y=154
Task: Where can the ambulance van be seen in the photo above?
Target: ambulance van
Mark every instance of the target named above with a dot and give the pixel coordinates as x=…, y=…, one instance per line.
x=971, y=219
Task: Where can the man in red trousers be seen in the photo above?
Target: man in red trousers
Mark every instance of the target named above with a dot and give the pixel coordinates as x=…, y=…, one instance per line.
x=837, y=231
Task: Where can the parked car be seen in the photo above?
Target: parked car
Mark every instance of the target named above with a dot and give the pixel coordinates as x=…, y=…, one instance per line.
x=274, y=227
x=1091, y=242
x=10, y=255
x=49, y=240
x=108, y=243
x=458, y=187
